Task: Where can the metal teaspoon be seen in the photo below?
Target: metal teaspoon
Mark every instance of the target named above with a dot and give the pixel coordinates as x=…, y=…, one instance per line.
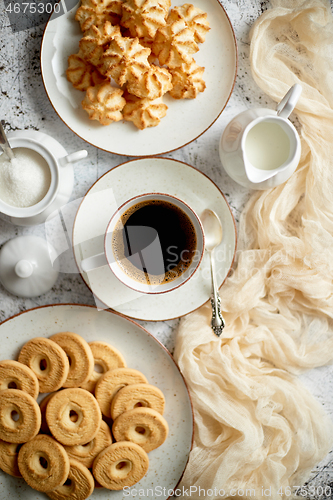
x=5, y=144
x=213, y=237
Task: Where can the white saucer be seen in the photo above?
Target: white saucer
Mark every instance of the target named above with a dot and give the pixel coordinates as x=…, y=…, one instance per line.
x=136, y=177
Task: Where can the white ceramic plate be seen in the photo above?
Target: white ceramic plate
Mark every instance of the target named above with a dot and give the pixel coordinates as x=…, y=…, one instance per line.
x=151, y=175
x=186, y=119
x=141, y=351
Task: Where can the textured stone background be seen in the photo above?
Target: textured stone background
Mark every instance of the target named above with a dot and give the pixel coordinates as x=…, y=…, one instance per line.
x=24, y=105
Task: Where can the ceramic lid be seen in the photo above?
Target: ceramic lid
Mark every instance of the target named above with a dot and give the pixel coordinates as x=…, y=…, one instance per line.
x=27, y=266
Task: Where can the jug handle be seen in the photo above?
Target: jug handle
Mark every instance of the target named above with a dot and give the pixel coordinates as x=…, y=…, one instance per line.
x=289, y=101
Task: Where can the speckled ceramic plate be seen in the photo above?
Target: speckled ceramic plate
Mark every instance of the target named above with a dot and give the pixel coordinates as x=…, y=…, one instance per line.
x=141, y=351
x=186, y=119
x=151, y=175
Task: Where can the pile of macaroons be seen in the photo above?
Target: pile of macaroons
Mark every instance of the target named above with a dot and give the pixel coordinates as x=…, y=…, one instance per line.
x=146, y=49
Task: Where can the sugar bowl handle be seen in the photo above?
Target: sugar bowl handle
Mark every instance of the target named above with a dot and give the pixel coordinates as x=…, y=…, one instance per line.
x=74, y=157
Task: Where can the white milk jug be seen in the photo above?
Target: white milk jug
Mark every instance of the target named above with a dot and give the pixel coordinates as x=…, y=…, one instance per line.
x=260, y=148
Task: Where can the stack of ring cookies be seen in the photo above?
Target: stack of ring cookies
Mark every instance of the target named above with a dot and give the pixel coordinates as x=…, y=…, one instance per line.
x=96, y=423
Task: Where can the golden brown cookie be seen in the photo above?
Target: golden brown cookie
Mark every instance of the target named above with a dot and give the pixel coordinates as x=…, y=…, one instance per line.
x=144, y=17
x=43, y=463
x=151, y=83
x=97, y=12
x=96, y=41
x=15, y=375
x=148, y=43
x=110, y=383
x=144, y=112
x=143, y=426
x=88, y=17
x=20, y=416
x=44, y=428
x=121, y=57
x=136, y=396
x=104, y=103
x=174, y=44
x=47, y=360
x=78, y=486
x=8, y=458
x=81, y=73
x=81, y=361
x=86, y=453
x=73, y=416
x=195, y=19
x=121, y=464
x=187, y=81
x=106, y=357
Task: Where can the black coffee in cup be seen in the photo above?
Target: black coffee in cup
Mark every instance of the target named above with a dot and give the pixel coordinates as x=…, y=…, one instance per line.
x=154, y=241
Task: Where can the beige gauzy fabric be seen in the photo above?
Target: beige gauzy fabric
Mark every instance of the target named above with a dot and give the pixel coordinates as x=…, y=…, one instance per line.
x=256, y=427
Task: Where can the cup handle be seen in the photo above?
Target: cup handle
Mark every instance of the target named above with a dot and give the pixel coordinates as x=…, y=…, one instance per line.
x=289, y=101
x=74, y=157
x=93, y=262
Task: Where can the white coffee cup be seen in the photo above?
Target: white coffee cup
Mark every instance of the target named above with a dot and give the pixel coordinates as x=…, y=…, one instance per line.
x=127, y=269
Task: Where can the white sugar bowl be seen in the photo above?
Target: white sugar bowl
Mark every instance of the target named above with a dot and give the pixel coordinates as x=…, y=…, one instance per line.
x=61, y=177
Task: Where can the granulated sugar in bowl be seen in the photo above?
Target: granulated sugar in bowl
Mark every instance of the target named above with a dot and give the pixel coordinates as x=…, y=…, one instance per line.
x=24, y=180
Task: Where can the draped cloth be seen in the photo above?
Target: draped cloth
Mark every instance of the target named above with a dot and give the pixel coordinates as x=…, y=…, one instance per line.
x=257, y=429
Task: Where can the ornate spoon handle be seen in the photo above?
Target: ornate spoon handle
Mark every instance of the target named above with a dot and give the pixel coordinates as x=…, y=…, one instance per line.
x=218, y=322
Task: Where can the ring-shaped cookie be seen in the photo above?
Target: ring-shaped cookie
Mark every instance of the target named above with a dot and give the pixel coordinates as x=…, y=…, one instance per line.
x=136, y=396
x=47, y=360
x=20, y=416
x=106, y=357
x=143, y=426
x=78, y=486
x=110, y=383
x=15, y=375
x=8, y=458
x=81, y=360
x=121, y=464
x=86, y=453
x=43, y=463
x=73, y=416
x=44, y=428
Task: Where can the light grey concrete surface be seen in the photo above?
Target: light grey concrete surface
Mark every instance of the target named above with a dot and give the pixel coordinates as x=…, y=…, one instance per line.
x=25, y=105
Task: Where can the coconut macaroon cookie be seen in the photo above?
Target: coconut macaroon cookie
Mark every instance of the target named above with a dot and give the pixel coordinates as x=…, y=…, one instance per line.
x=110, y=383
x=47, y=360
x=15, y=375
x=144, y=112
x=78, y=486
x=136, y=396
x=104, y=103
x=81, y=360
x=121, y=464
x=20, y=416
x=73, y=416
x=43, y=463
x=106, y=357
x=8, y=458
x=86, y=453
x=143, y=426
